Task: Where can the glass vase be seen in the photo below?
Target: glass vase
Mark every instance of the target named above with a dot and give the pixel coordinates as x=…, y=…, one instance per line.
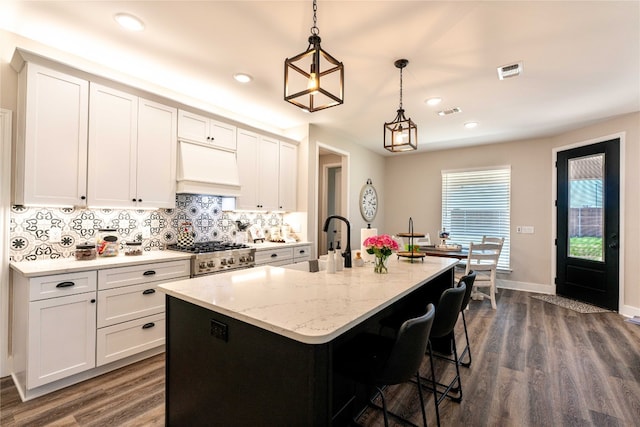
x=381, y=265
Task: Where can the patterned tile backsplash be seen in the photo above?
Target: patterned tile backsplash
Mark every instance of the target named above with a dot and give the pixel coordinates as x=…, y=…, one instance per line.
x=30, y=227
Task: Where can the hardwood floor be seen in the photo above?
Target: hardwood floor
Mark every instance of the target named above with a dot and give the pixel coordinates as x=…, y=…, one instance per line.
x=534, y=364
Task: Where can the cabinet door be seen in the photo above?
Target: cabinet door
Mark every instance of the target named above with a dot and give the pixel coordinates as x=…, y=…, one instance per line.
x=288, y=177
x=247, y=156
x=51, y=166
x=268, y=165
x=156, y=156
x=113, y=118
x=193, y=127
x=62, y=338
x=223, y=135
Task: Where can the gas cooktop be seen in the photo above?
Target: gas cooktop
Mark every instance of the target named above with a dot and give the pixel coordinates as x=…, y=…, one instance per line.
x=207, y=247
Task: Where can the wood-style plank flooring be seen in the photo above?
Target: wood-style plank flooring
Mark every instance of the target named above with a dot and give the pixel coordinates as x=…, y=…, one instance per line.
x=534, y=364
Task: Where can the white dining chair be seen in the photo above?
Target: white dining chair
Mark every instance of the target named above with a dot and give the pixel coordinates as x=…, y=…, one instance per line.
x=483, y=259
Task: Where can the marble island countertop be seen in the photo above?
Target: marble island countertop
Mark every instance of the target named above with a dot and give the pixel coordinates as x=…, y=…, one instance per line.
x=312, y=308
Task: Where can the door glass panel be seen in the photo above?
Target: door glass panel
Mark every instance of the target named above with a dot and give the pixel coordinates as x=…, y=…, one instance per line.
x=586, y=207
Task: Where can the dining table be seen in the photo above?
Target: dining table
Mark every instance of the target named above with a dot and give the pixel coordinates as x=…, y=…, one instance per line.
x=432, y=250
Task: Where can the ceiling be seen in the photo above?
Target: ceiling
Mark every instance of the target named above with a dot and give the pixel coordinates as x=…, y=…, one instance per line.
x=581, y=60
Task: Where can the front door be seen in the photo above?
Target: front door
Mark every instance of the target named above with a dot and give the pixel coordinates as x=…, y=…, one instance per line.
x=588, y=215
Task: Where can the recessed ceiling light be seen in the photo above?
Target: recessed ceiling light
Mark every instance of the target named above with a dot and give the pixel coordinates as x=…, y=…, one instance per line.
x=129, y=22
x=470, y=125
x=242, y=77
x=433, y=101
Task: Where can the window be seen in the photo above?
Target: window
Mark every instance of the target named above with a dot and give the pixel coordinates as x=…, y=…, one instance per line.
x=476, y=203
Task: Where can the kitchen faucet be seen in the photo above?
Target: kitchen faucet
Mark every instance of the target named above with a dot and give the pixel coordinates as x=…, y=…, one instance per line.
x=347, y=251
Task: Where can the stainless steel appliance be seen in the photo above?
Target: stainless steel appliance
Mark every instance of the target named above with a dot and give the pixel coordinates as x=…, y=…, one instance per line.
x=217, y=257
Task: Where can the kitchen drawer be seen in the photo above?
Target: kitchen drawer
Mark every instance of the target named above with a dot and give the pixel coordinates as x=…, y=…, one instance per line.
x=144, y=273
x=131, y=302
x=126, y=339
x=273, y=256
x=301, y=253
x=60, y=285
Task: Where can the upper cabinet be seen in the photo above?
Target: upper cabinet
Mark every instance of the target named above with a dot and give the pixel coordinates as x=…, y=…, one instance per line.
x=288, y=177
x=196, y=128
x=268, y=172
x=51, y=149
x=132, y=151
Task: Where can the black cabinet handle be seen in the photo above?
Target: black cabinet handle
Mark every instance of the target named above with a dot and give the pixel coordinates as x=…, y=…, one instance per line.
x=83, y=197
x=148, y=291
x=148, y=325
x=149, y=273
x=65, y=284
x=93, y=301
x=301, y=251
x=274, y=255
x=133, y=200
x=139, y=200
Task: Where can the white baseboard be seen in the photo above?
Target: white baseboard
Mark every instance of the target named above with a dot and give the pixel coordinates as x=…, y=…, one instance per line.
x=629, y=311
x=539, y=288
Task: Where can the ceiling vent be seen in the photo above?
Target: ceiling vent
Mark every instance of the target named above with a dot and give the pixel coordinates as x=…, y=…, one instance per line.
x=508, y=71
x=449, y=111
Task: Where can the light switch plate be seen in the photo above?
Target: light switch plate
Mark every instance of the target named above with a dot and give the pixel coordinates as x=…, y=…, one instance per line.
x=55, y=235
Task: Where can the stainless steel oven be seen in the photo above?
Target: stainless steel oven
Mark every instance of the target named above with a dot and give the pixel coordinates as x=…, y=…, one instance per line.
x=217, y=257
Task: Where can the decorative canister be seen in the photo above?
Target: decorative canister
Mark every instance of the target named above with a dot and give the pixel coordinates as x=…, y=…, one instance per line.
x=107, y=243
x=133, y=248
x=185, y=235
x=85, y=252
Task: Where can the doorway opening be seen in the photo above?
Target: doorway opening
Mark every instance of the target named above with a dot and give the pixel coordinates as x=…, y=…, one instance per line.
x=332, y=196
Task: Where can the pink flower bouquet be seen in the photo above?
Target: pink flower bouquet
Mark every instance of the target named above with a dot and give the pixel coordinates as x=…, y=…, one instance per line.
x=382, y=247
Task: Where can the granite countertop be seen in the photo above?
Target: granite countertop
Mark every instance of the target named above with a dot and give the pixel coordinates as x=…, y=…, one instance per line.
x=312, y=308
x=70, y=265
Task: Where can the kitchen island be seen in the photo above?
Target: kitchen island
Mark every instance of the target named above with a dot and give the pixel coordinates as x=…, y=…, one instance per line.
x=256, y=346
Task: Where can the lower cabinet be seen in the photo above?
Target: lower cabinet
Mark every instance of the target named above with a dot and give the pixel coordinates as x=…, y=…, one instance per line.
x=70, y=327
x=62, y=338
x=282, y=256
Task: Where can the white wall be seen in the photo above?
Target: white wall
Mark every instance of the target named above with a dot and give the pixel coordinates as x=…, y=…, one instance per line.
x=416, y=183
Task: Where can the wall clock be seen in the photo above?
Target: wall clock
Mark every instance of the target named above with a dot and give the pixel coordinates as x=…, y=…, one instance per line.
x=368, y=201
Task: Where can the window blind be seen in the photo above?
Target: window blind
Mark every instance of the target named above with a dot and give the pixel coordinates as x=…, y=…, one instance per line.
x=477, y=203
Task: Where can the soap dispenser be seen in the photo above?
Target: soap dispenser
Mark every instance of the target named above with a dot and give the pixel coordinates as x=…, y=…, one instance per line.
x=339, y=258
x=331, y=260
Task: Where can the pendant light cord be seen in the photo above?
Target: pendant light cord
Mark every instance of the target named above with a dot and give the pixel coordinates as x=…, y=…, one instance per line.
x=401, y=88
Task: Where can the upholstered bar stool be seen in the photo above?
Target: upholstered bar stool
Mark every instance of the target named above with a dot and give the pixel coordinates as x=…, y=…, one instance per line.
x=377, y=361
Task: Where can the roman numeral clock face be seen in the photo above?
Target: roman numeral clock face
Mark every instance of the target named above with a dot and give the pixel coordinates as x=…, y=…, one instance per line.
x=368, y=202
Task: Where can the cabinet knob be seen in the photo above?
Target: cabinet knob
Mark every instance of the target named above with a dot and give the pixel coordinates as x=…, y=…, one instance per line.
x=93, y=301
x=133, y=200
x=274, y=255
x=139, y=200
x=83, y=197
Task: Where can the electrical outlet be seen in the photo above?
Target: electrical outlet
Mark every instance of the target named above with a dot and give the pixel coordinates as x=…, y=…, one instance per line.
x=528, y=229
x=55, y=235
x=220, y=330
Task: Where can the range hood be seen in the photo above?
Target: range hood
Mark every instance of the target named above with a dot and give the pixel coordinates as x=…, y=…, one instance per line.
x=208, y=170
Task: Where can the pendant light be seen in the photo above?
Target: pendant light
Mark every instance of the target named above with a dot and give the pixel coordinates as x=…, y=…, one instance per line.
x=401, y=134
x=313, y=79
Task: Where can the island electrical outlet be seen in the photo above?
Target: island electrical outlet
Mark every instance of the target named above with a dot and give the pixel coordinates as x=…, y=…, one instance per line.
x=220, y=330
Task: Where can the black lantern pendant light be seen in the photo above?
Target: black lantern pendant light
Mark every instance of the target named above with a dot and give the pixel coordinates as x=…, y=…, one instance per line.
x=401, y=134
x=314, y=80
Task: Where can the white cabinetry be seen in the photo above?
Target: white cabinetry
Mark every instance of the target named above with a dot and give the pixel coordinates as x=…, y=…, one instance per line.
x=263, y=162
x=54, y=327
x=73, y=326
x=287, y=177
x=282, y=255
x=51, y=148
x=130, y=311
x=132, y=150
x=193, y=127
